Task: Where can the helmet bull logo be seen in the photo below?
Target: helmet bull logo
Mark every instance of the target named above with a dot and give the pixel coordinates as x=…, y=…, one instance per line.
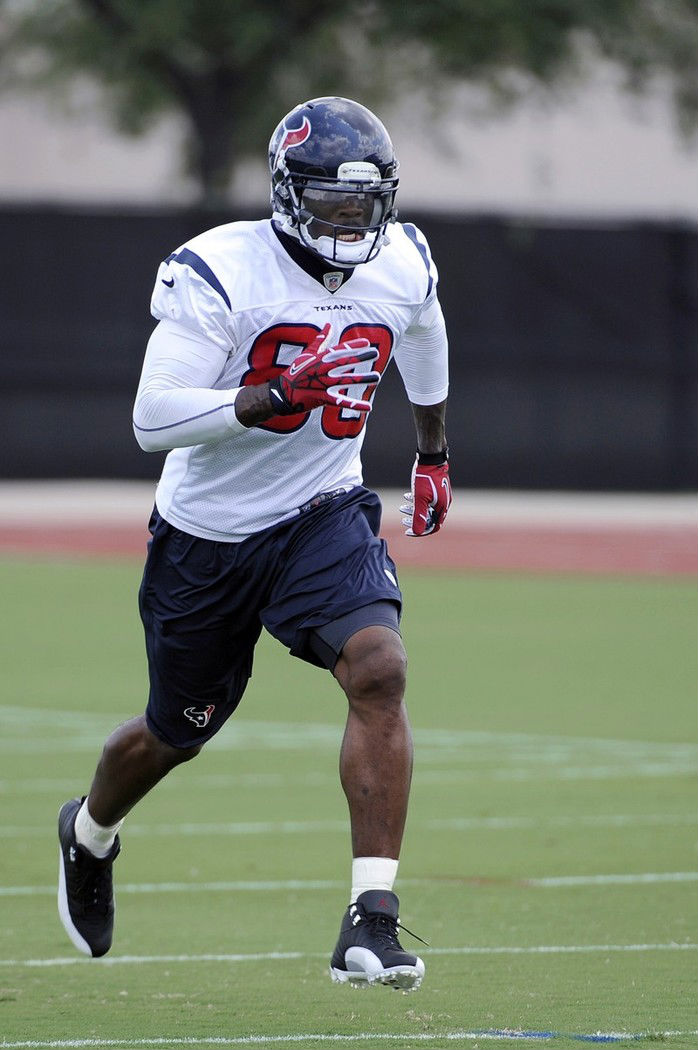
x=293, y=137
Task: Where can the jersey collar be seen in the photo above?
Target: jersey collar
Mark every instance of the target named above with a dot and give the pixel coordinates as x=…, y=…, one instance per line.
x=332, y=278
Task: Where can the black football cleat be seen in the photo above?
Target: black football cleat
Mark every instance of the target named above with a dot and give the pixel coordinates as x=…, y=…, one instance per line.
x=368, y=951
x=85, y=889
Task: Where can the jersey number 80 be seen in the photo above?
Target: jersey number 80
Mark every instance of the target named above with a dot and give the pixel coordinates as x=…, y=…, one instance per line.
x=273, y=351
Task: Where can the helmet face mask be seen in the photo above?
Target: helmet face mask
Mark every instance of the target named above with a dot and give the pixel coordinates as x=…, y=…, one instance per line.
x=334, y=178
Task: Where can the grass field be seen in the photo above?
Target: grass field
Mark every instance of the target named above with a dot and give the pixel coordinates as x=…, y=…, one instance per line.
x=550, y=856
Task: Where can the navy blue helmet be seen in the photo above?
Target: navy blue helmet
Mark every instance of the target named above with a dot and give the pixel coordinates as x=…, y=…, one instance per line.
x=333, y=179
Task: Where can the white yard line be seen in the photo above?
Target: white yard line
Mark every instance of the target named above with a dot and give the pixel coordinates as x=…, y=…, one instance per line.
x=303, y=827
x=535, y=949
x=242, y=886
x=422, y=777
x=614, y=880
x=445, y=755
x=242, y=732
x=501, y=1035
x=496, y=1035
x=541, y=767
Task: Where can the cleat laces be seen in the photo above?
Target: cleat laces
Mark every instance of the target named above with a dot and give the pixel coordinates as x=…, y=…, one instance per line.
x=385, y=930
x=92, y=886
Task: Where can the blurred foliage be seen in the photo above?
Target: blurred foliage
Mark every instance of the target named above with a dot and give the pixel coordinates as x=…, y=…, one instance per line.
x=233, y=68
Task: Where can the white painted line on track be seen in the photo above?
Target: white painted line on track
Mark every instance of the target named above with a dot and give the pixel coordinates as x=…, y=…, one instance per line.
x=447, y=774
x=549, y=882
x=253, y=827
x=563, y=949
x=608, y=772
x=198, y=887
x=503, y=1034
x=621, y=770
x=301, y=827
x=595, y=820
x=236, y=957
x=614, y=880
x=245, y=731
x=423, y=777
x=446, y=755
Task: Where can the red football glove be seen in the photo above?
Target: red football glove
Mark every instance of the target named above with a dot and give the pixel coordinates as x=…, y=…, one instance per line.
x=319, y=375
x=428, y=502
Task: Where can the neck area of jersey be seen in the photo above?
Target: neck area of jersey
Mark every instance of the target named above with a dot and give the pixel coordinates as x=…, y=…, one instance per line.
x=329, y=275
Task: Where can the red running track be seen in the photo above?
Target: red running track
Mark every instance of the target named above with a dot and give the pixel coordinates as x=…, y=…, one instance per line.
x=640, y=550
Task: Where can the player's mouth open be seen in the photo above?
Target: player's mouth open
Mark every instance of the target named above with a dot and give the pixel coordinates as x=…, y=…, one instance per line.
x=351, y=236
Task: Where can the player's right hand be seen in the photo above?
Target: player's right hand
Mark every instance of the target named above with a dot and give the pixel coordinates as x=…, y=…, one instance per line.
x=324, y=375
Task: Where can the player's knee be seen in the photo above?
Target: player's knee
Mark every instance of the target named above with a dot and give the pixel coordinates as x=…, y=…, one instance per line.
x=377, y=669
x=135, y=739
x=168, y=755
x=176, y=755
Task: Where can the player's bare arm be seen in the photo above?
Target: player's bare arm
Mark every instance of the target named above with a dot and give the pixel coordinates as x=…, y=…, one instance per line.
x=253, y=405
x=430, y=494
x=430, y=424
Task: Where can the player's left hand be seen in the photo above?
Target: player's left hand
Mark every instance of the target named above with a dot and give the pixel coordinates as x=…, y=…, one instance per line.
x=427, y=503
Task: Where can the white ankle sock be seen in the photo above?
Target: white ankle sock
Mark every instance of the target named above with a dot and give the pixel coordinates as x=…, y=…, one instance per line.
x=93, y=836
x=372, y=873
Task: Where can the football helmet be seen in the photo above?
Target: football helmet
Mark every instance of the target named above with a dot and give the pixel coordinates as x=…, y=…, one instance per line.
x=333, y=179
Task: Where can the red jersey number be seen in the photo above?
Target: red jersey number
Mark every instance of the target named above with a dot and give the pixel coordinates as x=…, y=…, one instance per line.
x=339, y=422
x=265, y=364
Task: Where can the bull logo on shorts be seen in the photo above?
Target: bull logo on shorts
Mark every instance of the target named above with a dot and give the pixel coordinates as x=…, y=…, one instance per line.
x=200, y=718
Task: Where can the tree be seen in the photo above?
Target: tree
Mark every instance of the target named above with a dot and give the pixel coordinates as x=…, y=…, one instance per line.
x=232, y=67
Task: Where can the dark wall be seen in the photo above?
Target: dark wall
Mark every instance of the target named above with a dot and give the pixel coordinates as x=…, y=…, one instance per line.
x=573, y=360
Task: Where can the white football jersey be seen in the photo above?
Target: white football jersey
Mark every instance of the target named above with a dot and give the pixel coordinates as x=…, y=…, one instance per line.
x=248, y=306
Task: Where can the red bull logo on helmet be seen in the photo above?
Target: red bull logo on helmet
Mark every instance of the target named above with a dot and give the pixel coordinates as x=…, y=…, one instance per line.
x=293, y=137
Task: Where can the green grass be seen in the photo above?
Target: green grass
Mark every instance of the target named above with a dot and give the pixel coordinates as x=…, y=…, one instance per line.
x=554, y=726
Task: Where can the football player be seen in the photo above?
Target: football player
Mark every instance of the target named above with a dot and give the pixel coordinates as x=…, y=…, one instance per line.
x=272, y=337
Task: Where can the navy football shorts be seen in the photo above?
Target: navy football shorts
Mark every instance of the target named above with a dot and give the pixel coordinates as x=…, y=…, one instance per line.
x=311, y=582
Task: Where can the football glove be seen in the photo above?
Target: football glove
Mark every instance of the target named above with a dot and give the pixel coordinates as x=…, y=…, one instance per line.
x=426, y=505
x=324, y=375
